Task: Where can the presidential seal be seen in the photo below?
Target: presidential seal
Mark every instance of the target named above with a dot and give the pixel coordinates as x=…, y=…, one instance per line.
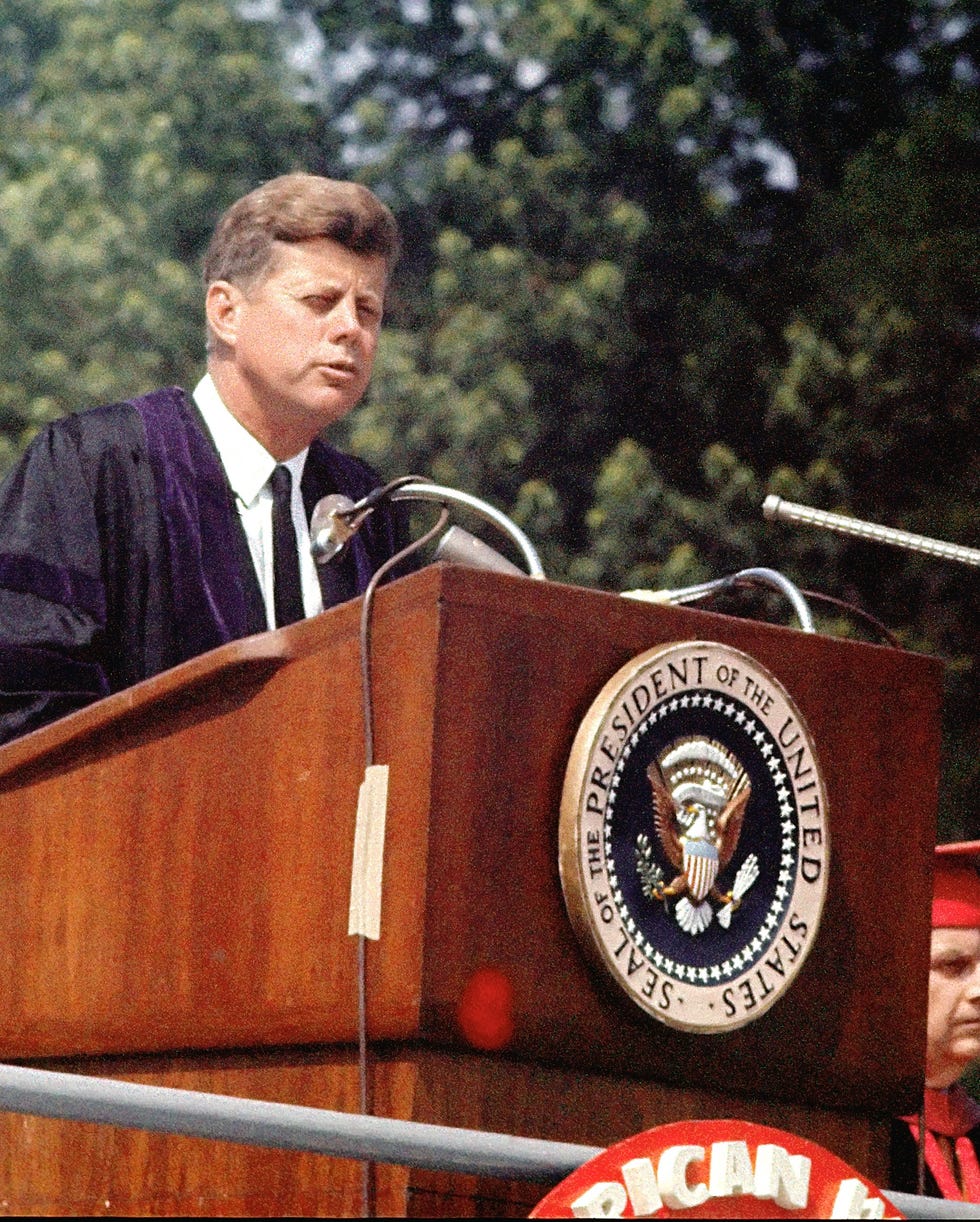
x=694, y=849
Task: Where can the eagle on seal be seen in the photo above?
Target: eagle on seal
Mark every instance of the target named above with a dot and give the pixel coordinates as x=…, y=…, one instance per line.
x=699, y=842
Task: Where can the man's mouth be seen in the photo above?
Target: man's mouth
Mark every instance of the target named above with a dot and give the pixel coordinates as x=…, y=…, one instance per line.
x=339, y=368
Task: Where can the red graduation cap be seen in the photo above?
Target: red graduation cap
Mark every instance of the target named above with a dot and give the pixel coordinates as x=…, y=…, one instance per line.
x=956, y=886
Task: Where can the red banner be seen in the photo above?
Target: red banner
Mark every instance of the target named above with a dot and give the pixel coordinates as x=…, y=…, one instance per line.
x=716, y=1169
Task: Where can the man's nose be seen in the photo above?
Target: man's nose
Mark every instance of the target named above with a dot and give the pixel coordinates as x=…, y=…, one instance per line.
x=343, y=318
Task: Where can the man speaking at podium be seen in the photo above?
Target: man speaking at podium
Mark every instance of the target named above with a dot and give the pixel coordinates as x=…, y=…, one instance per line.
x=137, y=535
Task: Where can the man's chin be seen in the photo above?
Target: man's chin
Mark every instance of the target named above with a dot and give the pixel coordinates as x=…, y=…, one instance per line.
x=323, y=412
x=965, y=1050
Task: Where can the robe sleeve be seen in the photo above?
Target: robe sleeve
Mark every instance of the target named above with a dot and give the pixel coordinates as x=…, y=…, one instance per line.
x=52, y=592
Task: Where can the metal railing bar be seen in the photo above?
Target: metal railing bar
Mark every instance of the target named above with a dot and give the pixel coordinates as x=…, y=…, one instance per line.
x=164, y=1109
x=287, y=1126
x=930, y=1207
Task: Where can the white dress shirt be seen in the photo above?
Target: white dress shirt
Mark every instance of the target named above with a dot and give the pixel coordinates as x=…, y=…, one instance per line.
x=248, y=466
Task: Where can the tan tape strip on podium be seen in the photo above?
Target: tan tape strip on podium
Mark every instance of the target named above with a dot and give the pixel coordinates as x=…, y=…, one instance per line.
x=369, y=850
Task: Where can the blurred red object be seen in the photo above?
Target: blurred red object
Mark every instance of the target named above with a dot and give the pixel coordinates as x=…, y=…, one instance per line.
x=486, y=1010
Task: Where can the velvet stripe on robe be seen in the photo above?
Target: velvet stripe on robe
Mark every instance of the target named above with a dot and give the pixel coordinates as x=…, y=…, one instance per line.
x=122, y=554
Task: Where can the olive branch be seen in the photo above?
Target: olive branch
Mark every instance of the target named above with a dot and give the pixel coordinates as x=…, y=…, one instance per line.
x=651, y=875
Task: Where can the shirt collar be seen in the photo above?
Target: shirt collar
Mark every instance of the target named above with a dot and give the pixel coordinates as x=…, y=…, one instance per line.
x=247, y=463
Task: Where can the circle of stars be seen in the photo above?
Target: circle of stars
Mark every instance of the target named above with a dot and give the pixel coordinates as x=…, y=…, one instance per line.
x=753, y=948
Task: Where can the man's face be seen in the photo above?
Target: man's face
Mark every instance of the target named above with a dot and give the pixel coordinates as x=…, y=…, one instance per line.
x=301, y=341
x=954, y=1004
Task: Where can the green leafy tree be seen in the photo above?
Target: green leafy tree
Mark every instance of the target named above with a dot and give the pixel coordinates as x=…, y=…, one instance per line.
x=125, y=127
x=661, y=258
x=674, y=256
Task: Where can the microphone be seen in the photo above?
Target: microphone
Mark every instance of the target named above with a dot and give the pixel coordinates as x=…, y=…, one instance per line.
x=458, y=546
x=726, y=585
x=775, y=509
x=336, y=519
x=332, y=526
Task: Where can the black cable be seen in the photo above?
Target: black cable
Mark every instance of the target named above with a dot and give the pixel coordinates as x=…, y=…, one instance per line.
x=858, y=613
x=377, y=495
x=367, y=700
x=815, y=596
x=366, y=608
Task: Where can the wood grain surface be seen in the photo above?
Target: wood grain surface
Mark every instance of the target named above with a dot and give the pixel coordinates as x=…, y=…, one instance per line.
x=53, y=1167
x=174, y=882
x=850, y=1032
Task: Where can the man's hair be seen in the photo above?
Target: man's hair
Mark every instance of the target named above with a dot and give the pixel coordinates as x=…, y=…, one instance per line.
x=296, y=208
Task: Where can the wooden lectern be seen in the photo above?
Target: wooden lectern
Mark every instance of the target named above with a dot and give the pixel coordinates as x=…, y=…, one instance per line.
x=175, y=881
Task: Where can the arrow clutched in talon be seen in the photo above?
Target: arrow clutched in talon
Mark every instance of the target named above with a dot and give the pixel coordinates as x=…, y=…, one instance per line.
x=747, y=874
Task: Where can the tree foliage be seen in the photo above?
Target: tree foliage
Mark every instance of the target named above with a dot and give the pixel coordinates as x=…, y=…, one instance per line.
x=662, y=257
x=676, y=256
x=126, y=126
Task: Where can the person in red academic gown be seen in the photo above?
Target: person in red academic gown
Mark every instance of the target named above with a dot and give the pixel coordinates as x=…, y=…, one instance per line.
x=951, y=1117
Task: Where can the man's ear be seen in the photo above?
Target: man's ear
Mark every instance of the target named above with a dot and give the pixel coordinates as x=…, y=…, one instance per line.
x=222, y=306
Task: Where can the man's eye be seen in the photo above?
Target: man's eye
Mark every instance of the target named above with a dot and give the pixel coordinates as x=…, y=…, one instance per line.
x=952, y=968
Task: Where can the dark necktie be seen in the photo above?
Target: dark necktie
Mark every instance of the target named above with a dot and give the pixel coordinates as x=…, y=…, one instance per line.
x=286, y=588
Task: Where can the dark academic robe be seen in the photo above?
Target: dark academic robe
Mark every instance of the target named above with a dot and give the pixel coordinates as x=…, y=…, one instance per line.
x=122, y=554
x=952, y=1142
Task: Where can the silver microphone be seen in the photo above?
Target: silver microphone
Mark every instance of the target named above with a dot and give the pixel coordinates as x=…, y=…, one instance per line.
x=337, y=518
x=458, y=546
x=726, y=585
x=332, y=525
x=776, y=509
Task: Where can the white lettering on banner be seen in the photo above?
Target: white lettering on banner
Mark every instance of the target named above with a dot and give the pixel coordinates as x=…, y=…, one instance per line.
x=782, y=1177
x=777, y=1176
x=730, y=1173
x=606, y=1199
x=641, y=1184
x=672, y=1177
x=852, y=1201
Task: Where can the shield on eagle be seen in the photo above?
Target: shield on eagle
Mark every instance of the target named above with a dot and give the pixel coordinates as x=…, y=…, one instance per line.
x=701, y=867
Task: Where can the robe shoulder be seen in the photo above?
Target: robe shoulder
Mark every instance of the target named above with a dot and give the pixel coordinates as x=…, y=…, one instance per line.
x=122, y=553
x=80, y=554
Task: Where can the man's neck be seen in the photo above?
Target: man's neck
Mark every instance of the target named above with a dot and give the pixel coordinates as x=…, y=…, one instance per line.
x=276, y=438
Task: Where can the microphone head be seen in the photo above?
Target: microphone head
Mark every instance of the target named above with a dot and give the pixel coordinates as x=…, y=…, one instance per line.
x=329, y=530
x=771, y=508
x=458, y=546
